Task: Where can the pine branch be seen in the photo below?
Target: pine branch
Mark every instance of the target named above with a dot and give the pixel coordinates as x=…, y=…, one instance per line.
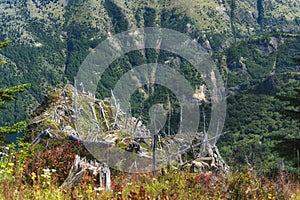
x=2, y=45
x=16, y=128
x=8, y=94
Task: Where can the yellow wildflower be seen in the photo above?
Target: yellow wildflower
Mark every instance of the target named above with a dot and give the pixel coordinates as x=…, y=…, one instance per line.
x=270, y=196
x=10, y=164
x=9, y=171
x=33, y=176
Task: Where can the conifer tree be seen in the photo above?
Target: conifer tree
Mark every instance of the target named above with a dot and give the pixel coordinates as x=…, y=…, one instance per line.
x=289, y=148
x=7, y=95
x=293, y=101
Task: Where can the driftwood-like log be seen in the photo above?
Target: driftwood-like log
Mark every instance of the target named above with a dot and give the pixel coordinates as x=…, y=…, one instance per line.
x=212, y=161
x=78, y=168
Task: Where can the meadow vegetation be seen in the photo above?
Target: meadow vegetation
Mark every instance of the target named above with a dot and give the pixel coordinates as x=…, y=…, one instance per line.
x=33, y=172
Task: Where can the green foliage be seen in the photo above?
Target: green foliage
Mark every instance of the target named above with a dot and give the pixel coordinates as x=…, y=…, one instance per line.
x=24, y=161
x=296, y=60
x=38, y=65
x=251, y=119
x=260, y=9
x=288, y=146
x=170, y=185
x=149, y=17
x=13, y=160
x=294, y=103
x=37, y=173
x=2, y=45
x=118, y=18
x=181, y=185
x=174, y=20
x=253, y=122
x=143, y=98
x=78, y=43
x=16, y=128
x=249, y=62
x=8, y=94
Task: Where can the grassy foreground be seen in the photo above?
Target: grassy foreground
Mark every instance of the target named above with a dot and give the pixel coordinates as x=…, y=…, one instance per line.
x=171, y=185
x=30, y=173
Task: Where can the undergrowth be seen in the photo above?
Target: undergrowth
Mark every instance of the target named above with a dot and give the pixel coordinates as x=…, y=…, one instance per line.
x=37, y=173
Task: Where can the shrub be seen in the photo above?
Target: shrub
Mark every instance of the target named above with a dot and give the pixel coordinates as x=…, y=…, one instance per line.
x=59, y=158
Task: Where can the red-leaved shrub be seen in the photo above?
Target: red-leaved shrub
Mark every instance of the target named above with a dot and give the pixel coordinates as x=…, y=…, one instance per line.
x=59, y=158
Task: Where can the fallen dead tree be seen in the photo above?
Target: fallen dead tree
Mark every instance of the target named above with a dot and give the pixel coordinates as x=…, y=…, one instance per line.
x=81, y=165
x=209, y=160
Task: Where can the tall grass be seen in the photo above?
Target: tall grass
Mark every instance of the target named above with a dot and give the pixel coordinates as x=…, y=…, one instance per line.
x=34, y=174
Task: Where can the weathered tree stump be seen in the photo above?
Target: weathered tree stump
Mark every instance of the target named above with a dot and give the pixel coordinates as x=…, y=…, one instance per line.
x=78, y=168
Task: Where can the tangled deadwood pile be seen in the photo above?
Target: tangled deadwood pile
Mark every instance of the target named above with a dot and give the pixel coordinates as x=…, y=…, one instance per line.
x=57, y=118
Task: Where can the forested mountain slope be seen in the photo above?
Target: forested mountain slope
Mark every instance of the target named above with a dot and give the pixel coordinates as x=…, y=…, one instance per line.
x=251, y=42
x=50, y=38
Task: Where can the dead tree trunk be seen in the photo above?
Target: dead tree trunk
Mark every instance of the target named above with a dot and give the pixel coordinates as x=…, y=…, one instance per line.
x=78, y=168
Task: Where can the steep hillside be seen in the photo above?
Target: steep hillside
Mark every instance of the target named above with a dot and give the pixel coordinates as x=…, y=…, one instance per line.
x=251, y=42
x=249, y=62
x=254, y=122
x=50, y=38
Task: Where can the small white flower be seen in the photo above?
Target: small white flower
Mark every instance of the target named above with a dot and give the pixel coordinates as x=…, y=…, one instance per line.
x=46, y=170
x=99, y=189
